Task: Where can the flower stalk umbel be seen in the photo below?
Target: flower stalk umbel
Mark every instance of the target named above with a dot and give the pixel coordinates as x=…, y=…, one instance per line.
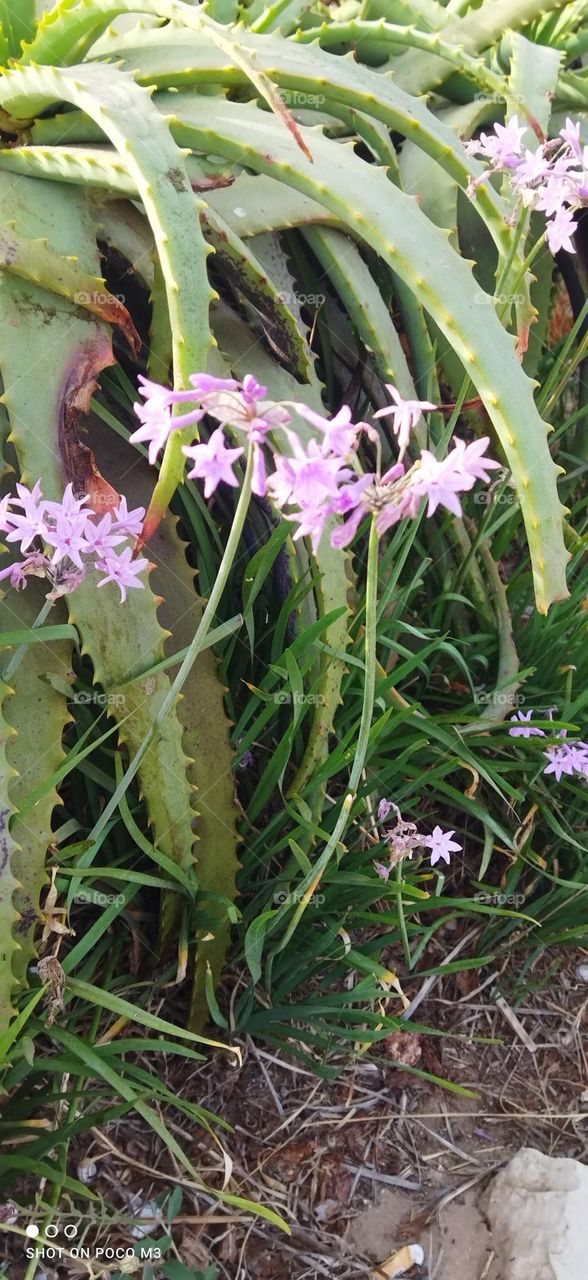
x=316, y=486
x=64, y=541
x=310, y=485
x=403, y=838
x=553, y=179
x=568, y=757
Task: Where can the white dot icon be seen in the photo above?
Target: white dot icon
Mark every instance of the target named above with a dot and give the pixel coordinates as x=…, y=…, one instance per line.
x=32, y=1229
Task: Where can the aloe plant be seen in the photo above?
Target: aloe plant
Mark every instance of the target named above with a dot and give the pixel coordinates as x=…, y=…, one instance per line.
x=222, y=162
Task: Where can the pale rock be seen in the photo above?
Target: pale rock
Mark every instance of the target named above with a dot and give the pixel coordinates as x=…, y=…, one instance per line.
x=538, y=1213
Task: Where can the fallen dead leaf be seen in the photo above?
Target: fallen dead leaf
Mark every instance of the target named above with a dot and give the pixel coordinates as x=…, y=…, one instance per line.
x=404, y=1047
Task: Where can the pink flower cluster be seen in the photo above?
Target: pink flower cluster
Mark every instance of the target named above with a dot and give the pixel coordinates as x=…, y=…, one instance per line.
x=403, y=838
x=563, y=757
x=553, y=179
x=310, y=483
x=62, y=541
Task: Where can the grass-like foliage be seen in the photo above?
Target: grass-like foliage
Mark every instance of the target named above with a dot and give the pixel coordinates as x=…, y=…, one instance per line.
x=192, y=776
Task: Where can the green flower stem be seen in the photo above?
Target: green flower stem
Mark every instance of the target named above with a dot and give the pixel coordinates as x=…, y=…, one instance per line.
x=313, y=878
x=507, y=265
x=402, y=921
x=521, y=273
x=194, y=648
x=18, y=656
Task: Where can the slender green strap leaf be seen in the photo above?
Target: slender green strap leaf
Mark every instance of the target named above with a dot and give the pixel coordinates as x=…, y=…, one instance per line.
x=41, y=635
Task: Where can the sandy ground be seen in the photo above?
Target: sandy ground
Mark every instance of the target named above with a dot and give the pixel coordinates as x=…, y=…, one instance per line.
x=457, y=1246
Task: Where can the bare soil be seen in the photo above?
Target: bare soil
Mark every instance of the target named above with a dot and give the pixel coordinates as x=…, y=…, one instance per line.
x=368, y=1162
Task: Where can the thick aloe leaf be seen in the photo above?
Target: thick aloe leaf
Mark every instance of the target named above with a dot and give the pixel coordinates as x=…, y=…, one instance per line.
x=90, y=167
x=36, y=261
x=124, y=643
x=251, y=204
x=201, y=714
x=420, y=176
x=46, y=333
x=427, y=14
x=254, y=204
x=283, y=16
x=418, y=72
x=245, y=274
x=222, y=10
x=34, y=325
x=332, y=589
x=38, y=713
x=65, y=351
x=123, y=227
x=178, y=59
x=534, y=73
x=206, y=742
x=126, y=114
x=8, y=882
x=4, y=48
x=443, y=283
x=358, y=35
x=438, y=194
x=237, y=263
x=17, y=22
x=74, y=27
x=351, y=278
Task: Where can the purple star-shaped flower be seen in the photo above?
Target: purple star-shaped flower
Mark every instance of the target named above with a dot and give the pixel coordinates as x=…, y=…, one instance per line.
x=122, y=569
x=213, y=462
x=405, y=415
x=441, y=845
